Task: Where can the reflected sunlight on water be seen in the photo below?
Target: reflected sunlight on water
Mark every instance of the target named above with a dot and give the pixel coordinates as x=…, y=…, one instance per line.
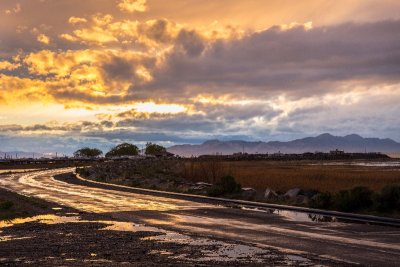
x=47, y=219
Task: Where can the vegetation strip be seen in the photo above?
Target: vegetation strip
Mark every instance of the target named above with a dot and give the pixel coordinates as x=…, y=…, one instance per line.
x=226, y=202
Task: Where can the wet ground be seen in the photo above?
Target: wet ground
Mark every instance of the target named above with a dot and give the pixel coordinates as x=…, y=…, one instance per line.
x=99, y=226
x=62, y=236
x=86, y=240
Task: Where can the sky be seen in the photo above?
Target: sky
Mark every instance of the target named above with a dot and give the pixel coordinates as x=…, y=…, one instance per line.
x=100, y=72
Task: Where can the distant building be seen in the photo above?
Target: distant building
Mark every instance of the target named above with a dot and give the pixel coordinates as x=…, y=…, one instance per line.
x=337, y=152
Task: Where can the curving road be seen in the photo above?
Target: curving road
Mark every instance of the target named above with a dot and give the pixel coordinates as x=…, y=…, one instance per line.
x=288, y=232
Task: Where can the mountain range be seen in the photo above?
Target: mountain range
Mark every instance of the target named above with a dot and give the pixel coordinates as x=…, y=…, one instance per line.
x=322, y=143
x=20, y=154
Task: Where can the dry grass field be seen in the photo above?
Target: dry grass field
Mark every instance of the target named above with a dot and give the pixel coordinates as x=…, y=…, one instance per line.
x=282, y=176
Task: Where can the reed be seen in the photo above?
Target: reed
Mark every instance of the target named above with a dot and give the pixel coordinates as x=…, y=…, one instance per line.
x=282, y=176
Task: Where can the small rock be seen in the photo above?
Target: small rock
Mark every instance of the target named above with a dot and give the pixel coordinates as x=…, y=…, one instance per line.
x=248, y=192
x=301, y=199
x=292, y=193
x=270, y=194
x=201, y=186
x=309, y=193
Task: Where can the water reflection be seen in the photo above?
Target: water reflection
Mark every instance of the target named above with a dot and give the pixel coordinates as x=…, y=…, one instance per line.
x=46, y=219
x=304, y=217
x=206, y=249
x=294, y=215
x=11, y=171
x=393, y=163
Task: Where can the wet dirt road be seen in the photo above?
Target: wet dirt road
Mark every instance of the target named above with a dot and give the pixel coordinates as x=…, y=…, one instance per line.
x=293, y=234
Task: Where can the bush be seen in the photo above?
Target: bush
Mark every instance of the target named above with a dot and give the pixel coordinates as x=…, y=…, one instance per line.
x=321, y=201
x=154, y=149
x=88, y=152
x=124, y=149
x=352, y=200
x=227, y=185
x=389, y=198
x=215, y=191
x=6, y=205
x=82, y=171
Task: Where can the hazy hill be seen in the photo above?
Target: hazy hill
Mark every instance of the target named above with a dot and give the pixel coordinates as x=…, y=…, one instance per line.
x=20, y=154
x=322, y=143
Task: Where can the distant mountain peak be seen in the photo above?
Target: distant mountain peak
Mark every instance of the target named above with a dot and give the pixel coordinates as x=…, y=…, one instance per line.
x=325, y=135
x=324, y=143
x=211, y=142
x=353, y=136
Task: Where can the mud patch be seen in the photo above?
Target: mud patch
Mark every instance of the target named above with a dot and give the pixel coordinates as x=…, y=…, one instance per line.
x=49, y=240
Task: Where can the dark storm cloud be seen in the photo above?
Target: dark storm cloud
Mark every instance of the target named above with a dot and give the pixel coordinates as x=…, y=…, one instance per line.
x=211, y=118
x=118, y=68
x=66, y=127
x=310, y=61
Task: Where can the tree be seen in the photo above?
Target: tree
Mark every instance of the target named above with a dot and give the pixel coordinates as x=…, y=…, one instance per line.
x=87, y=152
x=154, y=149
x=124, y=149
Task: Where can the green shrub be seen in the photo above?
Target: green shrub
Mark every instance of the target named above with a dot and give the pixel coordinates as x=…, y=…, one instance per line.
x=6, y=205
x=124, y=149
x=83, y=171
x=88, y=152
x=215, y=191
x=227, y=185
x=352, y=200
x=321, y=201
x=389, y=198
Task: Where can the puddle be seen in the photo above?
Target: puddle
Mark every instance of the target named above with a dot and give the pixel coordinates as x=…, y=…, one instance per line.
x=297, y=261
x=212, y=250
x=228, y=252
x=361, y=163
x=295, y=216
x=304, y=217
x=128, y=227
x=46, y=219
x=11, y=171
x=205, y=250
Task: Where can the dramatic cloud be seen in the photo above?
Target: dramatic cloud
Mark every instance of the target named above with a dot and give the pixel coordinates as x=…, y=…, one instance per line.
x=105, y=71
x=294, y=61
x=132, y=5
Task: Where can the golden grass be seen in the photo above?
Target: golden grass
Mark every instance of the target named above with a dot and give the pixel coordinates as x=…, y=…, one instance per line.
x=282, y=176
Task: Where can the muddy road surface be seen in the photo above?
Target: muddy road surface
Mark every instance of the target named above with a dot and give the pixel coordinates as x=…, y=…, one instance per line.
x=111, y=227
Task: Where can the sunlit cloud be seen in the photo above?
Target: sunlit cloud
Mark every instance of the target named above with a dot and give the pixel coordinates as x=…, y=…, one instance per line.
x=42, y=38
x=6, y=65
x=16, y=9
x=132, y=5
x=123, y=69
x=76, y=20
x=159, y=108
